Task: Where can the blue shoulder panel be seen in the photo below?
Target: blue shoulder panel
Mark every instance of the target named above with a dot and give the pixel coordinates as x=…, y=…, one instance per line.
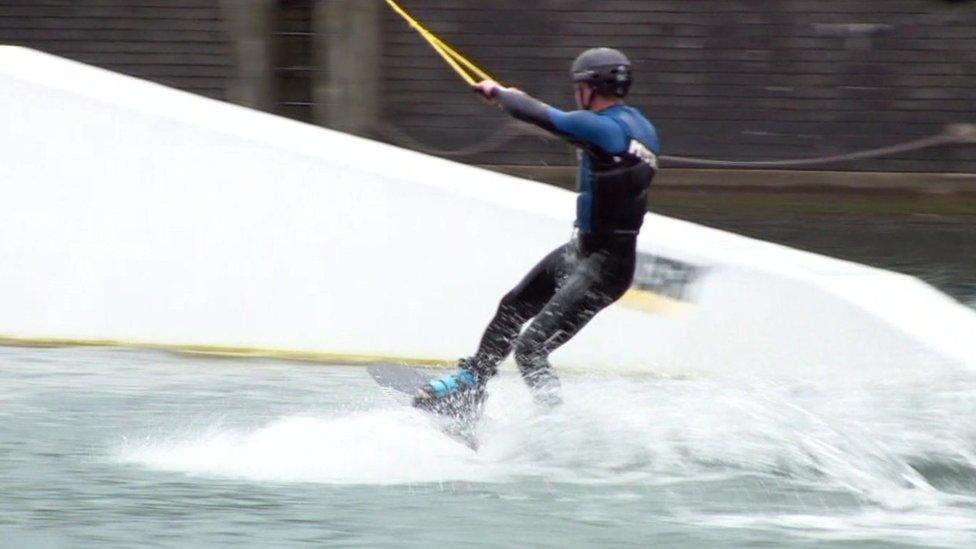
x=591, y=128
x=610, y=130
x=636, y=125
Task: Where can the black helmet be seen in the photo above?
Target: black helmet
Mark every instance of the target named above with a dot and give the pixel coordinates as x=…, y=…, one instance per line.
x=606, y=69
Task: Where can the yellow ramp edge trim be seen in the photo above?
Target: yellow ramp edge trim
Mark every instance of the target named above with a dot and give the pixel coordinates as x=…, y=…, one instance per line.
x=350, y=359
x=650, y=302
x=636, y=299
x=330, y=359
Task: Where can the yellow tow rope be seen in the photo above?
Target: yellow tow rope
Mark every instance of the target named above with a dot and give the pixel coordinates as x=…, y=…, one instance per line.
x=464, y=67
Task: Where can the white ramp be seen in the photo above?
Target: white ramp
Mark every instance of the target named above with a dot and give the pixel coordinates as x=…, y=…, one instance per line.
x=138, y=214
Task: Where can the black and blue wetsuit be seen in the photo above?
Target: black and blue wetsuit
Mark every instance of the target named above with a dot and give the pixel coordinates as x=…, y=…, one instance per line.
x=618, y=148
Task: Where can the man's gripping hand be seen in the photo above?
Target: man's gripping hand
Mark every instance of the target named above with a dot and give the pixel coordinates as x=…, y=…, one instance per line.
x=487, y=89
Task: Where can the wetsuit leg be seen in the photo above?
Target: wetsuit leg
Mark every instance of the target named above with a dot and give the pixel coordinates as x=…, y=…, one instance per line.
x=520, y=304
x=599, y=279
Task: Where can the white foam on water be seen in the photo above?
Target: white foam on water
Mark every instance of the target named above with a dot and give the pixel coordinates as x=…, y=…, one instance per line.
x=860, y=440
x=648, y=433
x=849, y=459
x=388, y=446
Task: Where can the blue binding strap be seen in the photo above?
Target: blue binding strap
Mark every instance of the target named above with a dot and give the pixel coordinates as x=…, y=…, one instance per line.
x=452, y=383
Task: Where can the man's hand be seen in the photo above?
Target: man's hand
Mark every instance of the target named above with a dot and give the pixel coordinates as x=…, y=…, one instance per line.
x=486, y=88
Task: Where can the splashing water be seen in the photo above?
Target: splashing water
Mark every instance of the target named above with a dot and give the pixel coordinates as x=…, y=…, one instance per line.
x=867, y=441
x=283, y=452
x=832, y=460
x=378, y=447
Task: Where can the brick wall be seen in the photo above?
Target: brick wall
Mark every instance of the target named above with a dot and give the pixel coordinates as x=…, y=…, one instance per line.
x=727, y=79
x=179, y=43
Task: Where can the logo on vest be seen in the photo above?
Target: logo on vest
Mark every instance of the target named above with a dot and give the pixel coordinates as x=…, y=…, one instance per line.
x=637, y=149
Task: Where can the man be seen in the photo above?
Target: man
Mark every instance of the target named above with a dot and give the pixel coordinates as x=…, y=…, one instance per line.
x=618, y=159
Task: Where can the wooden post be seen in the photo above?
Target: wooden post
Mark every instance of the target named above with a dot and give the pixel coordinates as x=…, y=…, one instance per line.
x=248, y=24
x=345, y=89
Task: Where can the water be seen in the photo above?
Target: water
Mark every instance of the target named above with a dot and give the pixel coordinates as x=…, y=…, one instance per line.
x=136, y=448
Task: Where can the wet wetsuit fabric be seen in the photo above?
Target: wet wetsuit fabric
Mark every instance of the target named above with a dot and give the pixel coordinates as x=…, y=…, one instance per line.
x=619, y=149
x=565, y=290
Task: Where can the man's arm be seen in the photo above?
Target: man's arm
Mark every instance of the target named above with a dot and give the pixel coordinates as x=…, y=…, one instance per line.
x=524, y=107
x=583, y=128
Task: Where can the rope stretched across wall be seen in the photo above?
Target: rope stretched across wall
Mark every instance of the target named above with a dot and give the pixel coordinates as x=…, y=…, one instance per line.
x=952, y=134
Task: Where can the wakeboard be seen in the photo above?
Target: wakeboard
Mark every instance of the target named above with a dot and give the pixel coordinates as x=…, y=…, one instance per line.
x=457, y=418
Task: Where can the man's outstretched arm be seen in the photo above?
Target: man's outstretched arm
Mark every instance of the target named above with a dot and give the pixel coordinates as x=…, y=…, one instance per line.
x=583, y=128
